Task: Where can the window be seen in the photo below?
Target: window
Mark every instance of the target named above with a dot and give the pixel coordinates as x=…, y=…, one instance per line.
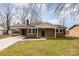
x=59, y=30
x=56, y=30
x=29, y=30
x=32, y=31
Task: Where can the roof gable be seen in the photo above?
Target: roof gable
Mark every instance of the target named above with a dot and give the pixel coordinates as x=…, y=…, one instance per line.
x=73, y=26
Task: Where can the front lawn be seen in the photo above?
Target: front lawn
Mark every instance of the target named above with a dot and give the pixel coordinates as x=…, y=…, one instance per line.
x=55, y=47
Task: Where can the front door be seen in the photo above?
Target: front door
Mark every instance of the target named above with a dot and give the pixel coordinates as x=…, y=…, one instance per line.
x=43, y=33
x=23, y=31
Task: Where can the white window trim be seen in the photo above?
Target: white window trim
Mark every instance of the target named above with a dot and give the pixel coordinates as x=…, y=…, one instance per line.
x=59, y=30
x=31, y=30
x=62, y=31
x=28, y=31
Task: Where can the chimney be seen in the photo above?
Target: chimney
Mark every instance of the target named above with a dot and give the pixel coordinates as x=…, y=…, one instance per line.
x=27, y=22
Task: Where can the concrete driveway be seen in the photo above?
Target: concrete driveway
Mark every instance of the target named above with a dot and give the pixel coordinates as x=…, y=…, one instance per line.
x=6, y=42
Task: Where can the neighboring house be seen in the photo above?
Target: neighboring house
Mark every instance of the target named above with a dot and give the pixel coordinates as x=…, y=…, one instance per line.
x=67, y=32
x=45, y=30
x=74, y=31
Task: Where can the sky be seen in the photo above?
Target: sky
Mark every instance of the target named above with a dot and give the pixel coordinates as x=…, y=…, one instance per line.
x=69, y=22
x=47, y=16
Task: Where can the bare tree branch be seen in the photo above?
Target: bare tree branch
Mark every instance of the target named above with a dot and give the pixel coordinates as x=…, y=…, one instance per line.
x=7, y=14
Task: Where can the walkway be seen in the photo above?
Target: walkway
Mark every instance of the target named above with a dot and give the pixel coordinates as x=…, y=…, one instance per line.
x=6, y=42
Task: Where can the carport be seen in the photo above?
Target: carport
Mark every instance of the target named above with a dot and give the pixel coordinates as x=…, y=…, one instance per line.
x=22, y=28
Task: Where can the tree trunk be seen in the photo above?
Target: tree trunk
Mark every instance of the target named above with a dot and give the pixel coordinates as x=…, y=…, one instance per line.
x=8, y=28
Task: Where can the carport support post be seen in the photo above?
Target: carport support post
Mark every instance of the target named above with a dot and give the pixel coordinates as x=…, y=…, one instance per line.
x=55, y=32
x=37, y=32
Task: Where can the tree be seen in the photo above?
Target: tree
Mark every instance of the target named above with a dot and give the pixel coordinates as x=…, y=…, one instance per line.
x=22, y=13
x=28, y=11
x=6, y=14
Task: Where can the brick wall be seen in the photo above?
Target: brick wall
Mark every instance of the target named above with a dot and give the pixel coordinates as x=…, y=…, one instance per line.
x=50, y=33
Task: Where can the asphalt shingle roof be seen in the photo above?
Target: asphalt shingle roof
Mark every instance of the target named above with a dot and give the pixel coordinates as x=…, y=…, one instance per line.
x=42, y=25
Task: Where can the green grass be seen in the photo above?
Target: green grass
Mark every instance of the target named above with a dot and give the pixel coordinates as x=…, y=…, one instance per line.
x=56, y=47
x=4, y=36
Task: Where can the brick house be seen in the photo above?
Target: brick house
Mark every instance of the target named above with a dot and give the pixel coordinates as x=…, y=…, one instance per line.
x=45, y=30
x=74, y=31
